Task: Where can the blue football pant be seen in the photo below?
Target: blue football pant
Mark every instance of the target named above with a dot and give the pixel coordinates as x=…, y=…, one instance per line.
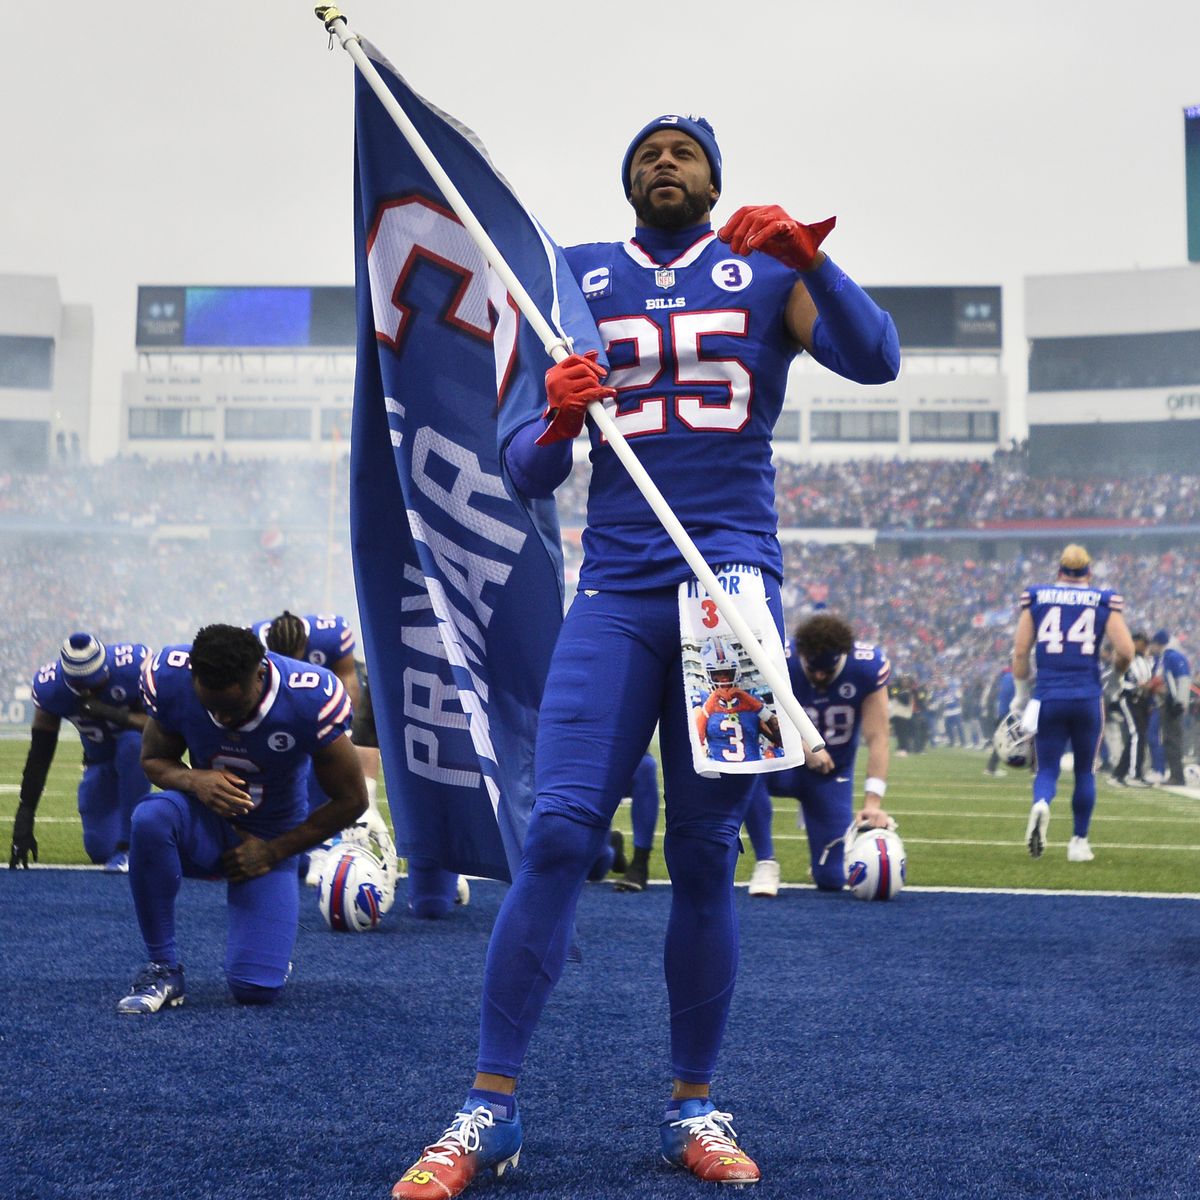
x=826, y=810
x=643, y=788
x=616, y=672
x=173, y=836
x=1080, y=725
x=108, y=793
x=759, y=816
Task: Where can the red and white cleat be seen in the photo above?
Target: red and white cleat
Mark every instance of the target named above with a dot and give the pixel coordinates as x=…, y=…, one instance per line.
x=478, y=1140
x=702, y=1141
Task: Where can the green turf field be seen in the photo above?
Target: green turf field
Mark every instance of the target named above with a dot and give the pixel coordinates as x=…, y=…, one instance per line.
x=960, y=828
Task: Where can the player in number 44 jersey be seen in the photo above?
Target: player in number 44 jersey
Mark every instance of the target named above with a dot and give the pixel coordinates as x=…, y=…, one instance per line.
x=1063, y=623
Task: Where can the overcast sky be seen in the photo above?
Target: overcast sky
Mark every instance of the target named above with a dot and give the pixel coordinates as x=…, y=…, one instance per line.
x=179, y=142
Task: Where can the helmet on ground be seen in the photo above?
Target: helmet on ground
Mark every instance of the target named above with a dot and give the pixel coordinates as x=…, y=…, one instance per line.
x=372, y=834
x=354, y=890
x=875, y=861
x=1012, y=743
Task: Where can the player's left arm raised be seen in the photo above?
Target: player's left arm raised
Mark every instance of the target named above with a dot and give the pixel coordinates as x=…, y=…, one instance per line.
x=827, y=313
x=340, y=776
x=875, y=734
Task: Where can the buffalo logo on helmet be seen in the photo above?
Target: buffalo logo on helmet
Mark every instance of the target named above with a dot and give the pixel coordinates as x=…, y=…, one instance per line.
x=875, y=862
x=356, y=888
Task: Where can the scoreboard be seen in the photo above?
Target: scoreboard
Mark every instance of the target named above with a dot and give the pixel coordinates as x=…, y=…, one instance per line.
x=245, y=318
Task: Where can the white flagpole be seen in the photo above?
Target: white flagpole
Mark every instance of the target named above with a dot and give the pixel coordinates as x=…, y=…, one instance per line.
x=338, y=27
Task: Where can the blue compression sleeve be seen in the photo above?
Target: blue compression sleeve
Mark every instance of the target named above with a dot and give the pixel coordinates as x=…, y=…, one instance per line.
x=852, y=335
x=536, y=470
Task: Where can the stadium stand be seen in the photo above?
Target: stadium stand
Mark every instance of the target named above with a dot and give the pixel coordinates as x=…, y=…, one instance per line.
x=153, y=549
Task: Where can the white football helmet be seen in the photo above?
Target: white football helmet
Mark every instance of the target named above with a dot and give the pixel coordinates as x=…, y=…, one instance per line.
x=1012, y=742
x=373, y=835
x=355, y=889
x=875, y=861
x=721, y=664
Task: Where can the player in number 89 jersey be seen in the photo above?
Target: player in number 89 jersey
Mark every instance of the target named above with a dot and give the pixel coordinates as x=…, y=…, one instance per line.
x=842, y=684
x=1063, y=623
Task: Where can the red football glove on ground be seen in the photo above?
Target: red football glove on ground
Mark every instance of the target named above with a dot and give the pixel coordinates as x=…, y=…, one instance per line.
x=571, y=385
x=768, y=228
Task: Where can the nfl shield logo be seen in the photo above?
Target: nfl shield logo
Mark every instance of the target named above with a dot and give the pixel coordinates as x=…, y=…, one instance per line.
x=664, y=277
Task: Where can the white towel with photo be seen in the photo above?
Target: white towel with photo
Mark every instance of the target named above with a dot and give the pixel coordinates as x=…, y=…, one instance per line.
x=736, y=727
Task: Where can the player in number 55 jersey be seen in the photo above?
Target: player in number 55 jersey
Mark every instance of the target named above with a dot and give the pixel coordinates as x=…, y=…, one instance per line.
x=250, y=722
x=1064, y=623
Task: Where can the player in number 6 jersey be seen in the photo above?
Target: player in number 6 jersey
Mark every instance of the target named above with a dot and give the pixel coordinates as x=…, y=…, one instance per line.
x=700, y=328
x=843, y=686
x=1064, y=623
x=251, y=723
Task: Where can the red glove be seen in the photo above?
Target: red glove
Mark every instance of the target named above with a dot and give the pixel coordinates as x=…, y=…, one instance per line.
x=571, y=385
x=768, y=228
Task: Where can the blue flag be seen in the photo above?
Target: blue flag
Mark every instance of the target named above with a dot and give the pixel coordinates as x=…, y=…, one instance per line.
x=459, y=581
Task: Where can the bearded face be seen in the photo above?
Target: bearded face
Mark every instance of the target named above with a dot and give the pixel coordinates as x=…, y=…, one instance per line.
x=670, y=181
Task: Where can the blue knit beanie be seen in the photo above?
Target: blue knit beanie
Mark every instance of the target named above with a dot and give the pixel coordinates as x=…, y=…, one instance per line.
x=695, y=127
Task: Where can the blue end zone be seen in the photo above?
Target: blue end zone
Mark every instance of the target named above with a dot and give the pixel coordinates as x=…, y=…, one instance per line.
x=943, y=1045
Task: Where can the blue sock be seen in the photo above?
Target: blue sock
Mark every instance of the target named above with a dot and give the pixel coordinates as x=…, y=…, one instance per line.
x=502, y=1105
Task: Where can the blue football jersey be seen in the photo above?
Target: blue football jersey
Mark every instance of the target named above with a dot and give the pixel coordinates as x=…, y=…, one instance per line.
x=1068, y=623
x=836, y=710
x=328, y=637
x=699, y=354
x=52, y=694
x=303, y=708
x=733, y=725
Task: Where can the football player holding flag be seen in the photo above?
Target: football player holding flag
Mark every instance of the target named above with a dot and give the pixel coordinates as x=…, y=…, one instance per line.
x=699, y=327
x=1063, y=623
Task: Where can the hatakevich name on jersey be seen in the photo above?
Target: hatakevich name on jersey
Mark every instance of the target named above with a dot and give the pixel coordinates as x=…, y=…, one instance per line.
x=1055, y=595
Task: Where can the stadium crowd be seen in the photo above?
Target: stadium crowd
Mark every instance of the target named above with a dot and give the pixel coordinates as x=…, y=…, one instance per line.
x=126, y=549
x=951, y=494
